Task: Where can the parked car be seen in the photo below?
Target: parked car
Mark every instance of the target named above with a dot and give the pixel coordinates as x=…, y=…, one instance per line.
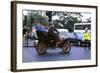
x=75, y=38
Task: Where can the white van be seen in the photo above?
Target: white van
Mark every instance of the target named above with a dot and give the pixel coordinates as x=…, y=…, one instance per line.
x=80, y=27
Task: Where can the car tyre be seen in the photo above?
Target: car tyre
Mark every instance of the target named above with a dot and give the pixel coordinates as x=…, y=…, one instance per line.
x=41, y=48
x=66, y=47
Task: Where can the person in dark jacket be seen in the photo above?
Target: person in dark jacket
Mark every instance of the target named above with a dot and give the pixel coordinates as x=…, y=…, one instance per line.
x=41, y=31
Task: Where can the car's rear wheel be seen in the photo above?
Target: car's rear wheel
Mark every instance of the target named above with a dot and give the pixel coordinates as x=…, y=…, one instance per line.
x=66, y=47
x=41, y=48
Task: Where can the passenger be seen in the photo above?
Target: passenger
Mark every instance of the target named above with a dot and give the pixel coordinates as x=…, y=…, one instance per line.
x=41, y=28
x=41, y=31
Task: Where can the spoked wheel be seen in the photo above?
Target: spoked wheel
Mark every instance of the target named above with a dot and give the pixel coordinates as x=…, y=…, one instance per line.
x=41, y=48
x=66, y=47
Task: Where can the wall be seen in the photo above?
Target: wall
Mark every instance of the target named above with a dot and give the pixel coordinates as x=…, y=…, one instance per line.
x=5, y=36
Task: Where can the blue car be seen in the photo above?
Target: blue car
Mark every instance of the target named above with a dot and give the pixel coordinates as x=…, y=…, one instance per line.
x=75, y=38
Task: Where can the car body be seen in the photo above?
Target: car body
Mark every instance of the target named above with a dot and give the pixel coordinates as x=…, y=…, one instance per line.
x=75, y=38
x=52, y=39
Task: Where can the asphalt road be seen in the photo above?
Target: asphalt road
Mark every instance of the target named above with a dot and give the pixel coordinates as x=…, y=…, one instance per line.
x=55, y=54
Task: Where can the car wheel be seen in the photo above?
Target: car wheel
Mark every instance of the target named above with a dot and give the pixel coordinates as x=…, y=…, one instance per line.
x=66, y=47
x=41, y=48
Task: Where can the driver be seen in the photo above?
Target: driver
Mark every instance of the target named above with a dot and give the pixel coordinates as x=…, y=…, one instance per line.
x=53, y=32
x=41, y=30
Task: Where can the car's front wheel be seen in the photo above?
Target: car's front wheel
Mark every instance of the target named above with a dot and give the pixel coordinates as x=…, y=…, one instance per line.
x=41, y=48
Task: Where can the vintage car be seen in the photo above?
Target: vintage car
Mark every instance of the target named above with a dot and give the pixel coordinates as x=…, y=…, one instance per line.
x=51, y=39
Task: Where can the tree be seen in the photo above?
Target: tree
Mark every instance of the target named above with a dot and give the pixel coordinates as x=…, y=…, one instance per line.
x=70, y=23
x=36, y=17
x=68, y=19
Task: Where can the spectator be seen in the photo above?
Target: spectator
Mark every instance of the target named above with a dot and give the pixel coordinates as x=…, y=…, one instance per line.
x=86, y=38
x=25, y=32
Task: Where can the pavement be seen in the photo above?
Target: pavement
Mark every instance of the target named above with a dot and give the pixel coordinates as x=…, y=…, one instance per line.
x=30, y=54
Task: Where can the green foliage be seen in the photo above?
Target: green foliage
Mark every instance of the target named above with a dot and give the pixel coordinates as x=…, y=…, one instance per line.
x=70, y=24
x=68, y=19
x=40, y=19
